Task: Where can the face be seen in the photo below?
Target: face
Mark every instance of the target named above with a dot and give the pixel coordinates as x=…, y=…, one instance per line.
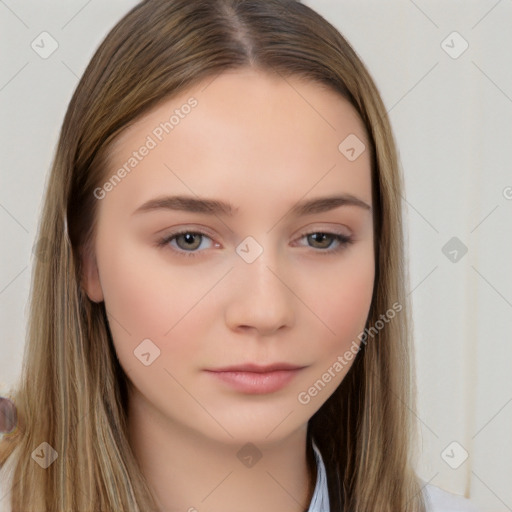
x=190, y=288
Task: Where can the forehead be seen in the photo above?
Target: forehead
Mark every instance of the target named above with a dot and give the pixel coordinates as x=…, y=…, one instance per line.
x=287, y=99
x=245, y=129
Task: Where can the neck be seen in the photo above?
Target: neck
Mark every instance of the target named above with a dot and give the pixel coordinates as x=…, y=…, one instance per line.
x=188, y=471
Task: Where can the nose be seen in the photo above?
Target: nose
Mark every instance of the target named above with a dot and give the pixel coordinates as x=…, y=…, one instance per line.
x=262, y=298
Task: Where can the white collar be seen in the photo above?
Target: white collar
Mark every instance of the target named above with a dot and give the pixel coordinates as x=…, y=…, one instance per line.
x=320, y=499
x=438, y=499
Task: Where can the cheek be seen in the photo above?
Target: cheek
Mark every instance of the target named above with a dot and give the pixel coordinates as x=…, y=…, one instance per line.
x=142, y=301
x=345, y=302
x=343, y=309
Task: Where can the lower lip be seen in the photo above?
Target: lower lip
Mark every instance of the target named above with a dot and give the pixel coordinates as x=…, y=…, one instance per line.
x=256, y=383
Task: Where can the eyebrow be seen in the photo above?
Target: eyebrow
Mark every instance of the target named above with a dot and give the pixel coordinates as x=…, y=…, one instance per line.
x=217, y=207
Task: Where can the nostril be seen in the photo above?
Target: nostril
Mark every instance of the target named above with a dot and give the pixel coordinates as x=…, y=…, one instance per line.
x=8, y=416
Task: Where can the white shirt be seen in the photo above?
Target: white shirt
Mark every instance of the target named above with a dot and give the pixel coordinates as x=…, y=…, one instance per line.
x=438, y=500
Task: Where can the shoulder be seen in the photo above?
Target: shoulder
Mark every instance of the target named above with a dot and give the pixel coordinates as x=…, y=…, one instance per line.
x=439, y=500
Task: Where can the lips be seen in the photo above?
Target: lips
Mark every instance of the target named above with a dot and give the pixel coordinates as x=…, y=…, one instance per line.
x=254, y=368
x=252, y=379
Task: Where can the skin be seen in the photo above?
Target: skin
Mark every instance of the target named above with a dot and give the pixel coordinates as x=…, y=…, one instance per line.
x=261, y=143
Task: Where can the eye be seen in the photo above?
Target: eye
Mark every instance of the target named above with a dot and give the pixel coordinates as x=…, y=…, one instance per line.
x=187, y=241
x=319, y=237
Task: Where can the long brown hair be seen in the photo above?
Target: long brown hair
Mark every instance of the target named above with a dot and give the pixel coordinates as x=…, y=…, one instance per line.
x=365, y=430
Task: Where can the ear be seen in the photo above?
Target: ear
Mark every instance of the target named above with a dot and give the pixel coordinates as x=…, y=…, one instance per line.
x=90, y=276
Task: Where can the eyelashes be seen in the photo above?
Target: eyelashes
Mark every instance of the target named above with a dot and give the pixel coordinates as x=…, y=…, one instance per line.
x=343, y=241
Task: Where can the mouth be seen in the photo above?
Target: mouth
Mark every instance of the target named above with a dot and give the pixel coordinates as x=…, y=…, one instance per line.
x=255, y=368
x=254, y=379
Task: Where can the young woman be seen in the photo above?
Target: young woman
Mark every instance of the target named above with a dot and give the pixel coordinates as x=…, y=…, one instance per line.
x=221, y=322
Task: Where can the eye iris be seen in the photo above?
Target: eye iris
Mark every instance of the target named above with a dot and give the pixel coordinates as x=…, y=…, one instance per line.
x=315, y=237
x=189, y=238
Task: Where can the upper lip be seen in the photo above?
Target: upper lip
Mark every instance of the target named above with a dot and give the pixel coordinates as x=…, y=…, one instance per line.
x=250, y=367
